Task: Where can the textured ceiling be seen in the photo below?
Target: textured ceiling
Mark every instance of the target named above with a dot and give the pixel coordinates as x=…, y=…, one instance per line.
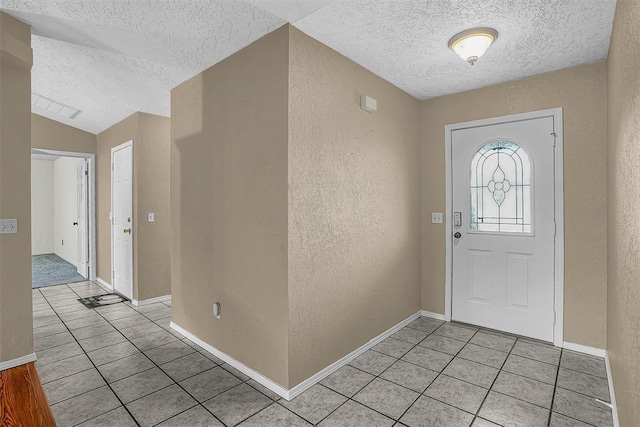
x=406, y=42
x=111, y=58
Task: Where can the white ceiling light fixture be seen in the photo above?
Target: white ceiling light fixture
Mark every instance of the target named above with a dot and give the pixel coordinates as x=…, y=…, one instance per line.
x=473, y=43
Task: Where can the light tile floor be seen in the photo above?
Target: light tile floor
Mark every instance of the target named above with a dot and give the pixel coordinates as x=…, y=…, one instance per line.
x=122, y=366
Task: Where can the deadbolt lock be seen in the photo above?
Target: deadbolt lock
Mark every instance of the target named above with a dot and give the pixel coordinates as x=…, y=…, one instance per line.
x=127, y=230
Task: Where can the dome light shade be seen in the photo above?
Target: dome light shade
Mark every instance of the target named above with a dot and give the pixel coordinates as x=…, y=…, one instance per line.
x=472, y=44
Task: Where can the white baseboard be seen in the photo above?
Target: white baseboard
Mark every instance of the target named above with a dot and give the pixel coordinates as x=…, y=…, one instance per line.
x=257, y=376
x=432, y=315
x=599, y=352
x=151, y=300
x=104, y=284
x=289, y=394
x=18, y=361
x=593, y=351
x=614, y=406
x=306, y=384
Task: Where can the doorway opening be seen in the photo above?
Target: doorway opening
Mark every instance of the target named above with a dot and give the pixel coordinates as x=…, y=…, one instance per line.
x=62, y=217
x=504, y=227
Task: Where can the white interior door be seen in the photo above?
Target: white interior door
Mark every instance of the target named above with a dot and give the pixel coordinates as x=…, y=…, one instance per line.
x=504, y=226
x=82, y=179
x=122, y=216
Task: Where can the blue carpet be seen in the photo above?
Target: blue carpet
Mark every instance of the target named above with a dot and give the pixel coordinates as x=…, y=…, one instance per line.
x=50, y=269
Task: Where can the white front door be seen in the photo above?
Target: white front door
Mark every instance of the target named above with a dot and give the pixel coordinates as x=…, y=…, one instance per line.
x=504, y=226
x=122, y=217
x=82, y=178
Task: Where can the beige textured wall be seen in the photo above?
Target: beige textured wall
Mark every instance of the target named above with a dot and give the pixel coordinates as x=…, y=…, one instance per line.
x=582, y=92
x=51, y=135
x=623, y=336
x=117, y=134
x=151, y=137
x=16, y=322
x=354, y=207
x=229, y=205
x=152, y=240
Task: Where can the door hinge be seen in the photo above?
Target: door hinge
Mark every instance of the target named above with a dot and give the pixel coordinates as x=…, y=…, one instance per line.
x=86, y=173
x=555, y=138
x=555, y=228
x=111, y=166
x=555, y=316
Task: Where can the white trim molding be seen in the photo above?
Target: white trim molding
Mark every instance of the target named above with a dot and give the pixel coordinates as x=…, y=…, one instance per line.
x=255, y=375
x=557, y=115
x=162, y=298
x=104, y=284
x=614, y=406
x=18, y=361
x=309, y=382
x=432, y=315
x=599, y=352
x=592, y=351
x=289, y=394
x=92, y=231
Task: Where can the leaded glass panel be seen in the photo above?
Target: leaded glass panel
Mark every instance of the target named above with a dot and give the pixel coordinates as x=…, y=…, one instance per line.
x=501, y=188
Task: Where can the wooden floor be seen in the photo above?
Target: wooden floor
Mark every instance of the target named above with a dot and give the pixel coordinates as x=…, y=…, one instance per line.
x=22, y=400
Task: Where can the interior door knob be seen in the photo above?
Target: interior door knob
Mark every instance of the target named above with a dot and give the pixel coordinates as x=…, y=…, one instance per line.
x=457, y=235
x=127, y=230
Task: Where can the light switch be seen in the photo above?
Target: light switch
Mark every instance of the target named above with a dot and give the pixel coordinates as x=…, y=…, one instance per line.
x=8, y=226
x=151, y=217
x=436, y=217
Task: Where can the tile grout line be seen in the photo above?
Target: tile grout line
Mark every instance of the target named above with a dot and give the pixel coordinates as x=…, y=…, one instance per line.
x=96, y=368
x=396, y=421
x=445, y=367
x=477, y=330
x=555, y=388
x=475, y=415
x=420, y=394
x=510, y=352
x=155, y=365
x=377, y=376
x=441, y=372
x=198, y=403
x=493, y=383
x=195, y=351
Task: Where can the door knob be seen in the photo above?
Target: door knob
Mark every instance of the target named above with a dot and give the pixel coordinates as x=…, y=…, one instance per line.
x=127, y=230
x=457, y=235
x=75, y=223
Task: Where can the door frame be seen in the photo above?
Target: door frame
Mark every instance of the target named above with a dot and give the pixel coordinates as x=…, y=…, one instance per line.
x=91, y=163
x=557, y=115
x=111, y=220
x=85, y=184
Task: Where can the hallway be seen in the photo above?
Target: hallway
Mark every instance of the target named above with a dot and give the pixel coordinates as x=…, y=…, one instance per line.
x=112, y=365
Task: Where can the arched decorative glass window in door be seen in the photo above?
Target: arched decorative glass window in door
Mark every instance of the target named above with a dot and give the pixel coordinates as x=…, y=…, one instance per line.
x=501, y=188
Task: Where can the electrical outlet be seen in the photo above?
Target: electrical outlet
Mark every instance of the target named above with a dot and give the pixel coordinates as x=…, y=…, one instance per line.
x=436, y=218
